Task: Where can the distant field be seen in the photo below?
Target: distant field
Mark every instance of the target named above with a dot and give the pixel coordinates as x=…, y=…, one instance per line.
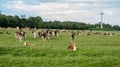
x=92, y=51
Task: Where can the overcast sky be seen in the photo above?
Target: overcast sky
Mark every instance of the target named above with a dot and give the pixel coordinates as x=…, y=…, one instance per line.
x=87, y=11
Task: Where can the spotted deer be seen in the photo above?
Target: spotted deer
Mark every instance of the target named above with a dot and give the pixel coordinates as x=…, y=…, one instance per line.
x=72, y=47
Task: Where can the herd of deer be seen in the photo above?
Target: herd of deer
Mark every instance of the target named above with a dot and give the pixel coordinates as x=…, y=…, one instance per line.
x=45, y=34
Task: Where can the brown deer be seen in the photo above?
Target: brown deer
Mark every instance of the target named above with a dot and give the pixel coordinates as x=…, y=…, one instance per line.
x=34, y=33
x=26, y=43
x=20, y=35
x=72, y=47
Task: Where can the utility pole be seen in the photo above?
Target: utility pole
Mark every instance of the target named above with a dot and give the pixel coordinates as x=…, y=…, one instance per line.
x=0, y=12
x=101, y=22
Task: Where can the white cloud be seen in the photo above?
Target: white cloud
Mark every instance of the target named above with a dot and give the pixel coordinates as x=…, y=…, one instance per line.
x=80, y=11
x=86, y=0
x=108, y=12
x=54, y=8
x=18, y=5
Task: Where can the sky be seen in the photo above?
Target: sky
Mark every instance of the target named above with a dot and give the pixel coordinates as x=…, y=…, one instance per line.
x=87, y=11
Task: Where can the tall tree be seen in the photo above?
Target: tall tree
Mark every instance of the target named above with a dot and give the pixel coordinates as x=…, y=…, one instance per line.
x=4, y=21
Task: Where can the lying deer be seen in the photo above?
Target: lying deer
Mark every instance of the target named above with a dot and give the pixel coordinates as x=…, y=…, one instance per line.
x=26, y=43
x=72, y=46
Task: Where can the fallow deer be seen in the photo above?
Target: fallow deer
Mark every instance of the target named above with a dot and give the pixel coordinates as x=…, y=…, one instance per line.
x=72, y=47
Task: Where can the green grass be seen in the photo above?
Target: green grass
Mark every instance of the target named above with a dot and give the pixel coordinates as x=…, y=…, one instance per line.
x=92, y=51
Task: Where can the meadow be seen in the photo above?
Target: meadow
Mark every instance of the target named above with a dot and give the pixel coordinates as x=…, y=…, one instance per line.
x=92, y=51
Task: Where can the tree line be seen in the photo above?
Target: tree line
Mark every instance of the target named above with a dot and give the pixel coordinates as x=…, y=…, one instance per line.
x=37, y=22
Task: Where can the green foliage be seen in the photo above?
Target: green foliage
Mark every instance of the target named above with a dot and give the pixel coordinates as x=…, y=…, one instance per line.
x=116, y=27
x=37, y=22
x=3, y=21
x=34, y=22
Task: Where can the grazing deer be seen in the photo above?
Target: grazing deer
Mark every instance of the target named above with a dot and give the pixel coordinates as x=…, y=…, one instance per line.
x=118, y=34
x=34, y=33
x=72, y=46
x=73, y=36
x=23, y=34
x=40, y=34
x=113, y=33
x=78, y=33
x=52, y=32
x=48, y=35
x=105, y=33
x=44, y=35
x=20, y=35
x=56, y=33
x=89, y=33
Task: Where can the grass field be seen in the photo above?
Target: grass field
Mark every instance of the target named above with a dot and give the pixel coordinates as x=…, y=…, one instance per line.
x=92, y=51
